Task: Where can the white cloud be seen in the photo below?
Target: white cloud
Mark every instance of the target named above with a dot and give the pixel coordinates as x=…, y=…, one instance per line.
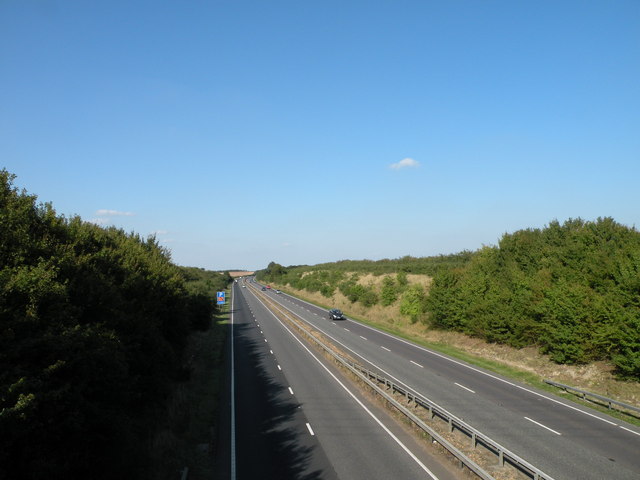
x=405, y=163
x=113, y=213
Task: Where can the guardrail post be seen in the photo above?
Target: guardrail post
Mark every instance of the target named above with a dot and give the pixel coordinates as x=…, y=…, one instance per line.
x=450, y=424
x=501, y=458
x=473, y=440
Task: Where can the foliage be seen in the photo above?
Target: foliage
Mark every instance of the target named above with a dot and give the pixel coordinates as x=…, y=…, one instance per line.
x=272, y=272
x=389, y=291
x=204, y=282
x=326, y=278
x=413, y=303
x=93, y=323
x=573, y=289
x=406, y=264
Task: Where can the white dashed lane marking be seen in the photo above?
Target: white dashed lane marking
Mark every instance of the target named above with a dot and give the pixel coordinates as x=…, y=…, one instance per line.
x=462, y=386
x=310, y=429
x=543, y=426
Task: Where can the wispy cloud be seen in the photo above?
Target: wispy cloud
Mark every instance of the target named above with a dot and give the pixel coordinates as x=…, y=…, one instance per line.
x=100, y=221
x=113, y=213
x=405, y=163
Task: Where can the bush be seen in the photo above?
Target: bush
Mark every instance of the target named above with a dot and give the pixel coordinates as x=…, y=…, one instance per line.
x=413, y=303
x=389, y=292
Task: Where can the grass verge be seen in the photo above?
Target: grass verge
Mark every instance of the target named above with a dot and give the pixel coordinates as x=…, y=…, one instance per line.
x=187, y=437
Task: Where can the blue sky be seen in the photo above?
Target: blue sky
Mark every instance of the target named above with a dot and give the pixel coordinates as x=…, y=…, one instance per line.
x=241, y=132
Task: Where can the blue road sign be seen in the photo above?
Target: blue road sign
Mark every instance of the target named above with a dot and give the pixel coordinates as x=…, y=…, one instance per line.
x=220, y=296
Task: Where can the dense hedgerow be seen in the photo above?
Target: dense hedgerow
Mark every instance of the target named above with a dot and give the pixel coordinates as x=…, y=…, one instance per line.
x=93, y=323
x=572, y=289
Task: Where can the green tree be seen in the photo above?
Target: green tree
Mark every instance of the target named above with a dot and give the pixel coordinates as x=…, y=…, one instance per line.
x=413, y=303
x=388, y=292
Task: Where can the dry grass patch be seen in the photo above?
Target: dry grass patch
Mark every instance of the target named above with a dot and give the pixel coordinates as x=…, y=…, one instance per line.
x=375, y=281
x=240, y=274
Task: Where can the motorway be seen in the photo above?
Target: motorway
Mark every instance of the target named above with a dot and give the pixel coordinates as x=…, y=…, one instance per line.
x=565, y=440
x=292, y=414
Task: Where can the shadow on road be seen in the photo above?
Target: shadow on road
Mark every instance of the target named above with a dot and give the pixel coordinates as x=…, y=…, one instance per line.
x=271, y=437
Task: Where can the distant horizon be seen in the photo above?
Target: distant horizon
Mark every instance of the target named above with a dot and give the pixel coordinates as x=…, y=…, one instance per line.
x=632, y=227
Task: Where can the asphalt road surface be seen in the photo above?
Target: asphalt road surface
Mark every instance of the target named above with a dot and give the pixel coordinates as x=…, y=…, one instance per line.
x=565, y=440
x=290, y=414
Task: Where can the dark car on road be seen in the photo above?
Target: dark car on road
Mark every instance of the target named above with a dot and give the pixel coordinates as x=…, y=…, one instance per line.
x=264, y=289
x=335, y=314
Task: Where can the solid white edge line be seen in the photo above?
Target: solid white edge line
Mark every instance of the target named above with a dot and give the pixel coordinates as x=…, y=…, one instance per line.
x=462, y=386
x=543, y=426
x=477, y=370
x=363, y=406
x=628, y=430
x=233, y=400
x=488, y=374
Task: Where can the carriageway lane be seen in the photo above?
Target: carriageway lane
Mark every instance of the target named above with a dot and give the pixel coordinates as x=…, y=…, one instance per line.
x=262, y=432
x=562, y=439
x=359, y=439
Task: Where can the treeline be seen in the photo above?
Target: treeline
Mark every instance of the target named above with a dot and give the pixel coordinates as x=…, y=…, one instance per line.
x=345, y=277
x=572, y=289
x=93, y=325
x=407, y=264
x=202, y=286
x=206, y=283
